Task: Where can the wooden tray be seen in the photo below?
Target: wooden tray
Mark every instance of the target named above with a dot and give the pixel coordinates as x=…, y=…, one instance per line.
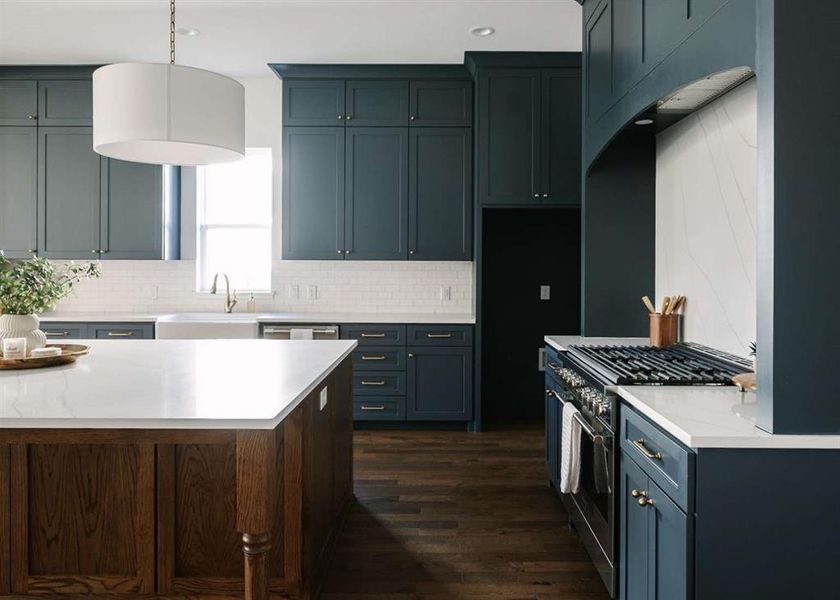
x=69, y=354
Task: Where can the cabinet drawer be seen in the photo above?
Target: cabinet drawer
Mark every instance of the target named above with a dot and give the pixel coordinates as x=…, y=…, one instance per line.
x=56, y=332
x=375, y=335
x=377, y=408
x=379, y=358
x=121, y=331
x=440, y=335
x=669, y=464
x=379, y=383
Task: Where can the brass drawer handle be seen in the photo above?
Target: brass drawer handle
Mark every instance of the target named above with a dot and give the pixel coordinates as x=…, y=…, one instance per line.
x=372, y=357
x=640, y=444
x=439, y=335
x=121, y=334
x=373, y=407
x=373, y=383
x=373, y=335
x=57, y=333
x=645, y=501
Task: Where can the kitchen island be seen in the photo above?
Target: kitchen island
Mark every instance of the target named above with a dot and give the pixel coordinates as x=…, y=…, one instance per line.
x=175, y=468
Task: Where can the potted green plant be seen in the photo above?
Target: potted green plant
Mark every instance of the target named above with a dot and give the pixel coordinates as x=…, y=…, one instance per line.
x=29, y=287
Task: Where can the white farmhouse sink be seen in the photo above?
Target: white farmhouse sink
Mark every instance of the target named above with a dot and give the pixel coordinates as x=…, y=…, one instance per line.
x=207, y=326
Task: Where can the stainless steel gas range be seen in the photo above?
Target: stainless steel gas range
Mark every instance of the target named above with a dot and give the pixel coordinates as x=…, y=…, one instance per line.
x=587, y=376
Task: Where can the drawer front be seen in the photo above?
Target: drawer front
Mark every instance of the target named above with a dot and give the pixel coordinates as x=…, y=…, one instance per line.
x=377, y=408
x=667, y=462
x=379, y=358
x=440, y=335
x=121, y=331
x=375, y=335
x=379, y=383
x=56, y=332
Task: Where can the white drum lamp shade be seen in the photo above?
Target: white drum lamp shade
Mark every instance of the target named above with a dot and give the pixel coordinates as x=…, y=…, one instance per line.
x=167, y=114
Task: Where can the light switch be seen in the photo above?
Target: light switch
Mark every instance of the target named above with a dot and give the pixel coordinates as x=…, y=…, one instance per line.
x=324, y=398
x=545, y=292
x=445, y=293
x=312, y=292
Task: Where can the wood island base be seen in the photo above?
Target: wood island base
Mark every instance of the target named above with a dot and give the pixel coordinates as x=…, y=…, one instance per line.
x=173, y=513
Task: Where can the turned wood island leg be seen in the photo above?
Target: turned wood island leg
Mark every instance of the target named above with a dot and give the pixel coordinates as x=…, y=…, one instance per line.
x=255, y=472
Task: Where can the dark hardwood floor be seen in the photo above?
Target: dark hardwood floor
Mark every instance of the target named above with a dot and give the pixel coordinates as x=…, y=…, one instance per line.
x=444, y=515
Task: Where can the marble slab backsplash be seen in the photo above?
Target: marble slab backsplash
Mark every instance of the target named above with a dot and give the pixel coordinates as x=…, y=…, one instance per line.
x=706, y=191
x=299, y=286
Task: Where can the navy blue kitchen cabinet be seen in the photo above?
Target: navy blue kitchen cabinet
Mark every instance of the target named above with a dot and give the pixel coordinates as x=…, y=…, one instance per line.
x=440, y=193
x=634, y=537
x=376, y=103
x=529, y=136
x=440, y=104
x=19, y=103
x=65, y=103
x=553, y=431
x=376, y=193
x=313, y=102
x=313, y=193
x=56, y=332
x=18, y=191
x=439, y=383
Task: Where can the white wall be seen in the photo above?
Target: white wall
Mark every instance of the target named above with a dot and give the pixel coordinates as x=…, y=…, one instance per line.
x=706, y=178
x=365, y=286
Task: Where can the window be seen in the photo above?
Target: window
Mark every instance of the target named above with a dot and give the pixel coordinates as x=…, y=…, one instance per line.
x=234, y=222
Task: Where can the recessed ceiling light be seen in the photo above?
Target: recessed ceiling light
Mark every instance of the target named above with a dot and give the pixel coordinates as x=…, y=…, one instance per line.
x=187, y=31
x=483, y=31
x=644, y=122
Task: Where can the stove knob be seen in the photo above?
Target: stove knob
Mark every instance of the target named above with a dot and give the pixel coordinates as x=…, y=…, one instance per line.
x=602, y=410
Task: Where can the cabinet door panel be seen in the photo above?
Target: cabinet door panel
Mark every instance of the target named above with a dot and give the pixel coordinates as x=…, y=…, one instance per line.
x=69, y=193
x=19, y=103
x=65, y=103
x=668, y=548
x=628, y=44
x=665, y=27
x=440, y=194
x=599, y=62
x=132, y=219
x=313, y=193
x=562, y=137
x=377, y=103
x=18, y=190
x=439, y=384
x=509, y=136
x=313, y=102
x=121, y=331
x=376, y=217
x=634, y=532
x=440, y=104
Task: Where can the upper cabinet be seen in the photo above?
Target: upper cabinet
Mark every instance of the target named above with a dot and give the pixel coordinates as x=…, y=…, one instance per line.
x=376, y=103
x=313, y=102
x=65, y=103
x=529, y=136
x=19, y=103
x=440, y=104
x=18, y=191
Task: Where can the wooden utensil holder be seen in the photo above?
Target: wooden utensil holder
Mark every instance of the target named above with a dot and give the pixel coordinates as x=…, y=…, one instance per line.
x=664, y=330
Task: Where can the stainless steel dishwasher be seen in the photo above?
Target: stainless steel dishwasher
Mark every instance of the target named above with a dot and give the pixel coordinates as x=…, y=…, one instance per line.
x=279, y=331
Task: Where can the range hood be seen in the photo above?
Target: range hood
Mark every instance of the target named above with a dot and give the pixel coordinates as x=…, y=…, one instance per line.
x=695, y=95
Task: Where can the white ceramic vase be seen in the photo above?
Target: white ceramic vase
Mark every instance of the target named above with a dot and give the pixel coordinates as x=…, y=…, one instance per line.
x=23, y=326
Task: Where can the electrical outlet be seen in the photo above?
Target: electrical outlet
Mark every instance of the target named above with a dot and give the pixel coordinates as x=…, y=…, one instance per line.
x=445, y=293
x=545, y=292
x=292, y=292
x=541, y=359
x=323, y=398
x=312, y=292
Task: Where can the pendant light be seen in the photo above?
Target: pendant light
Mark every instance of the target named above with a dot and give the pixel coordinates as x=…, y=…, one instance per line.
x=167, y=114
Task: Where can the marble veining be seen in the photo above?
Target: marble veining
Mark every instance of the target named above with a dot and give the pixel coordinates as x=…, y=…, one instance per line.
x=706, y=194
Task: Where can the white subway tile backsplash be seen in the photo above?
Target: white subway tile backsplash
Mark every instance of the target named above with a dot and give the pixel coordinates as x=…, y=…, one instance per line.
x=376, y=286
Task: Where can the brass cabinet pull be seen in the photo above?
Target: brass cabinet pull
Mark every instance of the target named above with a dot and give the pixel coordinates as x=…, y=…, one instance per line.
x=439, y=335
x=373, y=407
x=373, y=335
x=32, y=117
x=640, y=444
x=372, y=357
x=645, y=501
x=551, y=393
x=373, y=383
x=120, y=334
x=57, y=333
x=638, y=494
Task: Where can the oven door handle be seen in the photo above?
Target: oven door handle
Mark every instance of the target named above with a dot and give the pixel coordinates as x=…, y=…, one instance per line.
x=597, y=438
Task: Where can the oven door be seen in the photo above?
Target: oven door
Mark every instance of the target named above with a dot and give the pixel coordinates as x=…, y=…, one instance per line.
x=595, y=498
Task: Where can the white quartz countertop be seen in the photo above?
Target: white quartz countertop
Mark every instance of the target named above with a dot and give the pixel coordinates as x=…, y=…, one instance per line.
x=171, y=384
x=713, y=417
x=562, y=342
x=264, y=317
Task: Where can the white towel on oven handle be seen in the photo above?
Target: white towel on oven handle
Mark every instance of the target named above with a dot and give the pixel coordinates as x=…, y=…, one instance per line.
x=570, y=451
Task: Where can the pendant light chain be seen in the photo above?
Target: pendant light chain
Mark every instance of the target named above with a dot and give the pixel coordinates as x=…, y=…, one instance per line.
x=172, y=32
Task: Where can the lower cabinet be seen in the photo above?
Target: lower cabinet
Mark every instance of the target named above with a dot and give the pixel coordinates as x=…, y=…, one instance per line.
x=56, y=332
x=553, y=431
x=439, y=383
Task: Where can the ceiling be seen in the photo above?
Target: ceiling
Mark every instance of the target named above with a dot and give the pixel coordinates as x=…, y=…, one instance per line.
x=238, y=37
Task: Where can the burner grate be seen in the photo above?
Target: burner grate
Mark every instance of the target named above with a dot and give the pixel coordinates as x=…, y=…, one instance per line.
x=676, y=365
